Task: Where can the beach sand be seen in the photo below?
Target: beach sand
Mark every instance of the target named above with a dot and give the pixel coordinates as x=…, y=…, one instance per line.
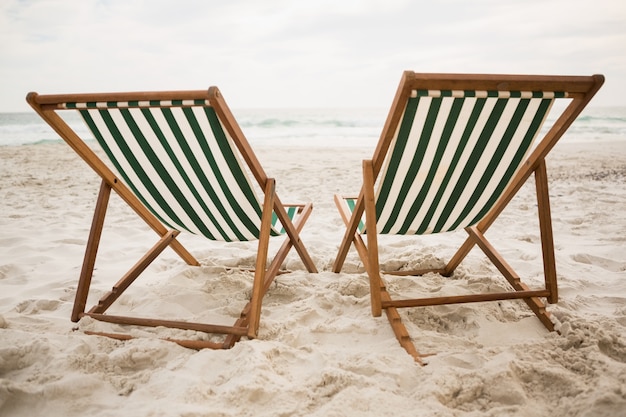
x=319, y=351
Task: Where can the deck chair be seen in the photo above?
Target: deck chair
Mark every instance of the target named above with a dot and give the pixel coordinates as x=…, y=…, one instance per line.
x=183, y=165
x=454, y=150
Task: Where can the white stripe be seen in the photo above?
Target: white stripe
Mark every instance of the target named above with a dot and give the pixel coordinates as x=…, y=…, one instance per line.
x=151, y=172
x=405, y=161
x=226, y=172
x=125, y=166
x=444, y=167
x=479, y=170
x=171, y=169
x=506, y=160
x=126, y=104
x=168, y=164
x=485, y=93
x=429, y=155
x=186, y=166
x=480, y=124
x=475, y=174
x=188, y=134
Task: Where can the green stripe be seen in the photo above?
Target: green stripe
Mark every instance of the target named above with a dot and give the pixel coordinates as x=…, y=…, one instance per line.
x=197, y=166
x=234, y=167
x=200, y=174
x=177, y=181
x=351, y=205
x=397, y=153
x=149, y=117
x=534, y=127
x=291, y=213
x=416, y=162
x=136, y=166
x=472, y=162
x=163, y=173
x=484, y=173
x=101, y=140
x=469, y=128
x=446, y=134
x=490, y=93
x=502, y=147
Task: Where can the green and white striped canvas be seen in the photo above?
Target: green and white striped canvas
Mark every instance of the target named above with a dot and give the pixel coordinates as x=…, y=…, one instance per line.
x=181, y=163
x=453, y=155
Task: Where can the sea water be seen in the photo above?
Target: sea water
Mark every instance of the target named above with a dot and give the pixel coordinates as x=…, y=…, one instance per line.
x=339, y=128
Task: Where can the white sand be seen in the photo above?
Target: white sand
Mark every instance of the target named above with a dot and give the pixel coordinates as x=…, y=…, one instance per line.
x=320, y=352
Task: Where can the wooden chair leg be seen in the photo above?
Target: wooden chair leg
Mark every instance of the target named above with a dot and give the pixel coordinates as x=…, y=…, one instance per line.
x=402, y=334
x=373, y=267
x=261, y=260
x=545, y=227
x=84, y=282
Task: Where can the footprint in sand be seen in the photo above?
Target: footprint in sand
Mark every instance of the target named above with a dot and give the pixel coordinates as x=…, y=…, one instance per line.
x=35, y=306
x=608, y=264
x=613, y=347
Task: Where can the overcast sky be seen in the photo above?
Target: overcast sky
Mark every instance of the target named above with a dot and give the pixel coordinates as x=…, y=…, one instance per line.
x=305, y=53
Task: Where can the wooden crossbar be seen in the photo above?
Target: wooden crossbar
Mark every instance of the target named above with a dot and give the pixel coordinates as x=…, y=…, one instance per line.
x=460, y=299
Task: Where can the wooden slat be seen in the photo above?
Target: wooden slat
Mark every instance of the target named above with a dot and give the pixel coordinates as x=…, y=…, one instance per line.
x=55, y=99
x=91, y=251
x=545, y=227
x=460, y=299
x=190, y=344
x=183, y=325
x=373, y=267
x=571, y=84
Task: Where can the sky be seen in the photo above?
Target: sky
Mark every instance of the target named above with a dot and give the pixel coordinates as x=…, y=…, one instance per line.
x=300, y=53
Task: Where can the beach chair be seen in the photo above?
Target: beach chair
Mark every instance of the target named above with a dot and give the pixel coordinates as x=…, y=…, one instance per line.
x=181, y=162
x=454, y=150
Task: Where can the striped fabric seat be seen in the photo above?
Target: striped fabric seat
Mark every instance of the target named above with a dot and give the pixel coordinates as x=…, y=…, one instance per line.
x=179, y=160
x=454, y=154
x=454, y=151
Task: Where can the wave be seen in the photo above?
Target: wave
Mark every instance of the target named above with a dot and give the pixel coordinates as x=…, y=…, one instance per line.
x=279, y=123
x=299, y=126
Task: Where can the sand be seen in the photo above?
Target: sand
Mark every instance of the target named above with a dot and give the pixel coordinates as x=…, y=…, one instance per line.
x=319, y=352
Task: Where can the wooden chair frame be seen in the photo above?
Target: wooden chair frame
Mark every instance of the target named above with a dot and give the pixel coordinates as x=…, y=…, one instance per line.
x=247, y=324
x=580, y=90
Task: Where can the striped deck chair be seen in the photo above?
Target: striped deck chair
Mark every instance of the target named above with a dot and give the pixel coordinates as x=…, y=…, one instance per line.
x=454, y=151
x=184, y=166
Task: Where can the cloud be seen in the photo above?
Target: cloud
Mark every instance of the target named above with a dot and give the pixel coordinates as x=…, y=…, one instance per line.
x=283, y=53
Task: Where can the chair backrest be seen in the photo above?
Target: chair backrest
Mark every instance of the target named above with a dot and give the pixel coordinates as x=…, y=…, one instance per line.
x=452, y=152
x=180, y=161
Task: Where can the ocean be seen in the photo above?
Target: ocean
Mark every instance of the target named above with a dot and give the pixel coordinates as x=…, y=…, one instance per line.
x=341, y=128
